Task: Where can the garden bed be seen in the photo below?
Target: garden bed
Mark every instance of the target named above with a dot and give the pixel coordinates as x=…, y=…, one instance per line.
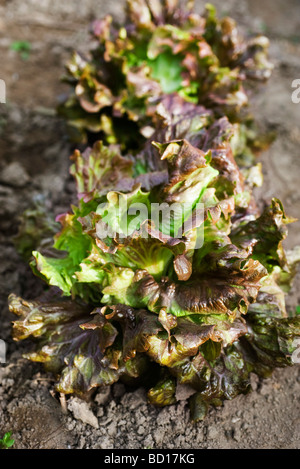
x=34, y=162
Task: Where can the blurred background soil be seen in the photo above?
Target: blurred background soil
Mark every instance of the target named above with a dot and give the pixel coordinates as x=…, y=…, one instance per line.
x=34, y=162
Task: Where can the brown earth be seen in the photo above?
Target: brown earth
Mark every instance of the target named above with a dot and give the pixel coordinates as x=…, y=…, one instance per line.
x=34, y=162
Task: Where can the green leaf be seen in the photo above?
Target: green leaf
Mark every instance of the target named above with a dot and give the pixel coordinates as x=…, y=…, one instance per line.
x=70, y=248
x=22, y=47
x=264, y=236
x=6, y=442
x=163, y=393
x=99, y=169
x=167, y=69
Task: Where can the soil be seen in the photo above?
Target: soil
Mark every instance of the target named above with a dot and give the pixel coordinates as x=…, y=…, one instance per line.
x=34, y=161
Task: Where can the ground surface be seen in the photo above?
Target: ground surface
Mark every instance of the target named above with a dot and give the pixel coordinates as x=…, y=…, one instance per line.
x=34, y=152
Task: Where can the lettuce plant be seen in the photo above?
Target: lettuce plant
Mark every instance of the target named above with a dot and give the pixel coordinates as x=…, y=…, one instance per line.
x=162, y=48
x=165, y=273
x=164, y=276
